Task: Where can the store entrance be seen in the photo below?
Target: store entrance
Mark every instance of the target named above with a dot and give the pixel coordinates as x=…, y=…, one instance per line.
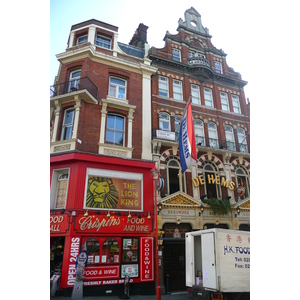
x=56, y=254
x=174, y=266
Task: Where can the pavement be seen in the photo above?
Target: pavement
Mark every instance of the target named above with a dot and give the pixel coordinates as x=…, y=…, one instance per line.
x=172, y=296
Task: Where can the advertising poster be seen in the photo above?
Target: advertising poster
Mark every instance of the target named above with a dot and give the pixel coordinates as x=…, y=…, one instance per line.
x=113, y=190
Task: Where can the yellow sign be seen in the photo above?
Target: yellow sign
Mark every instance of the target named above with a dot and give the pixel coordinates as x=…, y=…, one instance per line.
x=213, y=180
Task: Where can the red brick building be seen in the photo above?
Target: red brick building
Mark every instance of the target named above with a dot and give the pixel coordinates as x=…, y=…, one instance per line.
x=189, y=65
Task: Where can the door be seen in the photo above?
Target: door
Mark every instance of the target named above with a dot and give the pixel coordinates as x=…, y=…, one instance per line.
x=174, y=266
x=208, y=260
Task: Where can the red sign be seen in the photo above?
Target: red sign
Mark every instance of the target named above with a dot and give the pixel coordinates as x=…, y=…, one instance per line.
x=59, y=223
x=147, y=259
x=115, y=224
x=94, y=273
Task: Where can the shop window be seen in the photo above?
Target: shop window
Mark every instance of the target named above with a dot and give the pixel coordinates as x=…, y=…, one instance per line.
x=110, y=252
x=130, y=250
x=102, y=251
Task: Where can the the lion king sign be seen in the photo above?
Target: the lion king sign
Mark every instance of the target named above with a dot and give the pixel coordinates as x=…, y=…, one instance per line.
x=113, y=190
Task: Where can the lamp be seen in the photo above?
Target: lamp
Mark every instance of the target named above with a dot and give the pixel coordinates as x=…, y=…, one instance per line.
x=203, y=196
x=139, y=216
x=108, y=215
x=129, y=215
x=201, y=210
x=238, y=210
x=149, y=217
x=86, y=214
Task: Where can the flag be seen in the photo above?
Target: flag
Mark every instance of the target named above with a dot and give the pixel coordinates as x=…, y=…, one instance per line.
x=187, y=141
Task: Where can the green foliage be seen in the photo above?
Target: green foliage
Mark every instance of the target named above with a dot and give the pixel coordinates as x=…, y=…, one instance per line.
x=219, y=206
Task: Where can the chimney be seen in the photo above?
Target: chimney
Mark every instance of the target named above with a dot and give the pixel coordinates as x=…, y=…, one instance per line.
x=140, y=36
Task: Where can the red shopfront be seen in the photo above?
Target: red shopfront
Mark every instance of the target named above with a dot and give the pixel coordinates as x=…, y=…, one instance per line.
x=116, y=246
x=107, y=209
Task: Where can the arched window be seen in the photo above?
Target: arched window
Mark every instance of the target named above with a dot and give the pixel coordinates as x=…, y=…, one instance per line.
x=242, y=140
x=74, y=80
x=212, y=135
x=230, y=144
x=242, y=182
x=175, y=179
x=199, y=132
x=164, y=121
x=211, y=188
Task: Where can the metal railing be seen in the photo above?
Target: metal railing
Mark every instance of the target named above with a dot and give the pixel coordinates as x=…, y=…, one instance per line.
x=72, y=86
x=199, y=61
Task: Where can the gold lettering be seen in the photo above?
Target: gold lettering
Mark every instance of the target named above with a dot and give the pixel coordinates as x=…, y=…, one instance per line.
x=217, y=179
x=224, y=182
x=231, y=185
x=201, y=179
x=195, y=182
x=211, y=179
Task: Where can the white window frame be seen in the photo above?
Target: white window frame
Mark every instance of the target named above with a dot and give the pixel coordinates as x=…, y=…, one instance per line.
x=177, y=84
x=230, y=142
x=195, y=91
x=176, y=54
x=224, y=101
x=164, y=119
x=115, y=87
x=79, y=39
x=115, y=130
x=74, y=80
x=236, y=104
x=55, y=184
x=243, y=147
x=218, y=67
x=192, y=53
x=213, y=135
x=163, y=86
x=65, y=125
x=199, y=132
x=208, y=102
x=103, y=41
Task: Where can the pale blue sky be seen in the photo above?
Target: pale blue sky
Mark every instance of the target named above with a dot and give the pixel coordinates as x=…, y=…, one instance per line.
x=231, y=26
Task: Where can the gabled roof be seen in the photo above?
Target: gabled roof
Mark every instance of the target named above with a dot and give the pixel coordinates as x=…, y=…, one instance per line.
x=180, y=200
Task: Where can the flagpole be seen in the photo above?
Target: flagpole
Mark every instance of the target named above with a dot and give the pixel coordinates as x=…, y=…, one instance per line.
x=190, y=98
